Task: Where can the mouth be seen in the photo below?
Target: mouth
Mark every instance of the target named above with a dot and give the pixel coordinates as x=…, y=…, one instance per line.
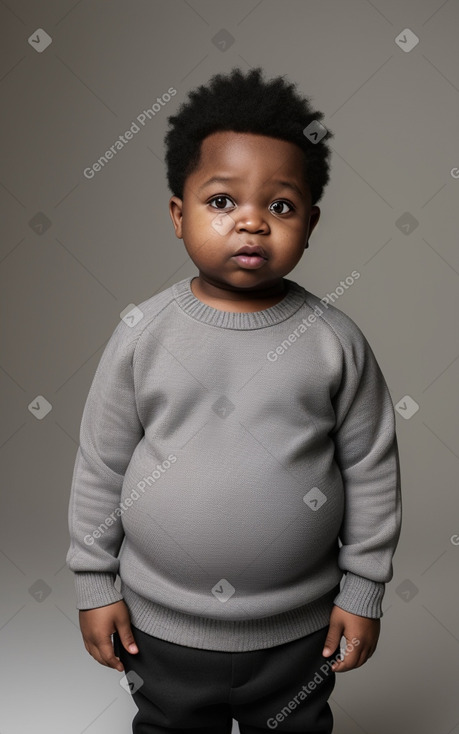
x=251, y=251
x=250, y=257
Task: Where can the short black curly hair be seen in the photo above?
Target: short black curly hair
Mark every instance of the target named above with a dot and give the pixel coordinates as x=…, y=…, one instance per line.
x=244, y=103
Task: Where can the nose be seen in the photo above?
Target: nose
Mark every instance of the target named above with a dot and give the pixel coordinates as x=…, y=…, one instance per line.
x=251, y=219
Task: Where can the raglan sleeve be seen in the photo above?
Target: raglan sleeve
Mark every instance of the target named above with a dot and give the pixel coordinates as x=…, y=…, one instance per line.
x=366, y=450
x=109, y=432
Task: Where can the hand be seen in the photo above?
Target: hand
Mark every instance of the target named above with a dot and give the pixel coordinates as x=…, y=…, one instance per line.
x=361, y=635
x=97, y=625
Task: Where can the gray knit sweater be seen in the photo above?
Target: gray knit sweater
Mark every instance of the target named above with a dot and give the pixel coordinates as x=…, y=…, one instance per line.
x=231, y=468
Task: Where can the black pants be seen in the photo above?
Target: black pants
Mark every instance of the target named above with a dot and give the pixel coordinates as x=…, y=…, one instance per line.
x=195, y=691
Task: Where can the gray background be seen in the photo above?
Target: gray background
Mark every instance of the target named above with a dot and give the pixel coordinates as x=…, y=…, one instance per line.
x=110, y=243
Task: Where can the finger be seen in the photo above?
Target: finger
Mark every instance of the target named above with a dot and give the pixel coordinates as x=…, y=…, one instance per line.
x=356, y=660
x=373, y=648
x=127, y=638
x=346, y=661
x=104, y=653
x=333, y=639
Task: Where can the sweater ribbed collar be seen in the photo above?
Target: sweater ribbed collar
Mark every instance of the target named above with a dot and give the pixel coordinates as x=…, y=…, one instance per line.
x=188, y=302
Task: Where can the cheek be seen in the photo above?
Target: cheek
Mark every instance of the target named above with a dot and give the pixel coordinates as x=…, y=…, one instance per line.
x=192, y=226
x=198, y=221
x=290, y=239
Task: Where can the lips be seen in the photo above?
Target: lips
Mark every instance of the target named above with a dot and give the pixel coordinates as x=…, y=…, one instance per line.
x=252, y=250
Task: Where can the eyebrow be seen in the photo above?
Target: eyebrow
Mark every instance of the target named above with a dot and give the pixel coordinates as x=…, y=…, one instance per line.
x=229, y=179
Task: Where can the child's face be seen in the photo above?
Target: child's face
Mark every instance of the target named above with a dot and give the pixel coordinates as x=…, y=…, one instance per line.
x=264, y=202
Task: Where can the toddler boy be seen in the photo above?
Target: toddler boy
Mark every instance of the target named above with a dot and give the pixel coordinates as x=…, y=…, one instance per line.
x=238, y=452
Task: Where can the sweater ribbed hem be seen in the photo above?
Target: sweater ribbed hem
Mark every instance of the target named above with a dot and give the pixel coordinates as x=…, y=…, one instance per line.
x=361, y=596
x=225, y=635
x=200, y=311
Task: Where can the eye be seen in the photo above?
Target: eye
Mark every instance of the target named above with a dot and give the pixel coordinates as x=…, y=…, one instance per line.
x=220, y=199
x=282, y=203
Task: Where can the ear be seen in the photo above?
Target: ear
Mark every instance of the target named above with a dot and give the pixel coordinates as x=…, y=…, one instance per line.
x=175, y=211
x=313, y=219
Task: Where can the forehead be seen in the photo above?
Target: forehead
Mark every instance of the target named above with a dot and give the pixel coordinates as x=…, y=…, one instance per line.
x=250, y=155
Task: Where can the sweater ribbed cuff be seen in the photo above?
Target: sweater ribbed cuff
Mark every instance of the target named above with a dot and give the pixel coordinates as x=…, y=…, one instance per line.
x=361, y=596
x=95, y=590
